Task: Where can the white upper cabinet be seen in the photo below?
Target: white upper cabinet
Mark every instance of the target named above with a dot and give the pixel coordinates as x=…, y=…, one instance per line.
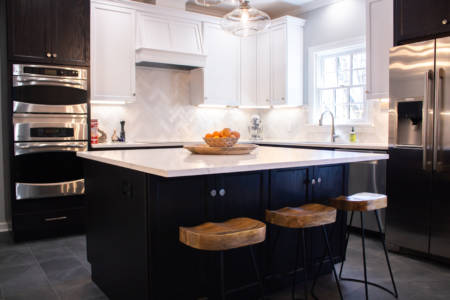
x=112, y=53
x=249, y=62
x=160, y=32
x=379, y=39
x=218, y=83
x=274, y=58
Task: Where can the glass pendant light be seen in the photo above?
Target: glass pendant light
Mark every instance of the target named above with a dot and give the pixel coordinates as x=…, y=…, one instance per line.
x=245, y=20
x=208, y=3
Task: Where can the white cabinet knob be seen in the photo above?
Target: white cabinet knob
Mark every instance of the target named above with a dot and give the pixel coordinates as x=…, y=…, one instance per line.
x=222, y=192
x=213, y=193
x=313, y=181
x=319, y=180
x=444, y=22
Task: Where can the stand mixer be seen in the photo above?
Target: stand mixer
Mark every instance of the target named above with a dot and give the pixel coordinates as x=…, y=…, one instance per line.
x=255, y=129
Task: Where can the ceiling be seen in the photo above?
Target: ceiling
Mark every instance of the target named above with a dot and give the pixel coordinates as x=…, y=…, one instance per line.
x=275, y=8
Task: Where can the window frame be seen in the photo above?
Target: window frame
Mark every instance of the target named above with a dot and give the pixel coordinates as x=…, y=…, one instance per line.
x=316, y=53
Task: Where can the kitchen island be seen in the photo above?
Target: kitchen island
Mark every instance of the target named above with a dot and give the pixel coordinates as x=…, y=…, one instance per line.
x=137, y=199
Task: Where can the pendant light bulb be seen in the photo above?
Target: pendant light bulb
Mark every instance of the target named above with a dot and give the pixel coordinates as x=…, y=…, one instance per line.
x=245, y=20
x=208, y=3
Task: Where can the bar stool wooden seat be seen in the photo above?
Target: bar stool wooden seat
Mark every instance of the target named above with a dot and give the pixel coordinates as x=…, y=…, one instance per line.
x=365, y=202
x=231, y=234
x=301, y=218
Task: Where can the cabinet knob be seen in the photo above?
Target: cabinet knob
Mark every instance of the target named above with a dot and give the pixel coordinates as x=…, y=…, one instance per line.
x=48, y=54
x=282, y=99
x=313, y=181
x=319, y=180
x=444, y=22
x=222, y=192
x=55, y=55
x=213, y=193
x=267, y=100
x=134, y=94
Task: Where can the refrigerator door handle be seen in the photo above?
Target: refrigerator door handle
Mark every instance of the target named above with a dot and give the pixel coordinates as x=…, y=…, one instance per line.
x=436, y=116
x=426, y=107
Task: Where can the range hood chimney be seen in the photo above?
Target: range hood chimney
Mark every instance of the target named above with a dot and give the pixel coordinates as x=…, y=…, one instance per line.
x=168, y=43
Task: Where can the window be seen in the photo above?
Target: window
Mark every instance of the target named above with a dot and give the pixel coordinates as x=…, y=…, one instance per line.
x=339, y=82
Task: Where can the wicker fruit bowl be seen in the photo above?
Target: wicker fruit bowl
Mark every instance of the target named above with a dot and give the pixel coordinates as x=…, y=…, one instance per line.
x=223, y=139
x=221, y=142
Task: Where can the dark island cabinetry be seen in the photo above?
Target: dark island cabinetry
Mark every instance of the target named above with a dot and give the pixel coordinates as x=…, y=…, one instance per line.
x=416, y=20
x=49, y=31
x=133, y=221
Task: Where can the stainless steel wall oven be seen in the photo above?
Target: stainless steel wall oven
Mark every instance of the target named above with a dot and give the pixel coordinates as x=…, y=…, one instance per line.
x=49, y=124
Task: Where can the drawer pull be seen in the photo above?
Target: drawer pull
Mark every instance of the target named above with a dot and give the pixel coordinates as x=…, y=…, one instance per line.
x=55, y=219
x=213, y=193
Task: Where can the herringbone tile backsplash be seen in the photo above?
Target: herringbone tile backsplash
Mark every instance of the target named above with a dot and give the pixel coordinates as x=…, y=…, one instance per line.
x=162, y=112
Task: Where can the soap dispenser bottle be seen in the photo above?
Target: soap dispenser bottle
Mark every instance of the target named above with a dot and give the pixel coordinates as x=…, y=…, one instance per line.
x=352, y=135
x=122, y=131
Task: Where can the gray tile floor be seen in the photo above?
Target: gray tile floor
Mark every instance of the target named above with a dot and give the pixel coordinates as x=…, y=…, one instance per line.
x=58, y=269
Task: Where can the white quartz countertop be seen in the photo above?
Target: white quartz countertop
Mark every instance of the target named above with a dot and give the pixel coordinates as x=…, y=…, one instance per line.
x=338, y=145
x=177, y=162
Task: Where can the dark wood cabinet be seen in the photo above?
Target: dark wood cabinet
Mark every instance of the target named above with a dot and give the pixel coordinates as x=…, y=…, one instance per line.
x=49, y=31
x=416, y=20
x=29, y=23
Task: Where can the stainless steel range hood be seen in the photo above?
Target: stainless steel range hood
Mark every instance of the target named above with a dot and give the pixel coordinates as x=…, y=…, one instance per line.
x=169, y=38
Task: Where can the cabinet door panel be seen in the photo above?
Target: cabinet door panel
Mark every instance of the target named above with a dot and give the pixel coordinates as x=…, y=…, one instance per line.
x=222, y=71
x=263, y=74
x=245, y=196
x=418, y=20
x=70, y=32
x=178, y=202
x=278, y=64
x=332, y=184
x=29, y=22
x=287, y=188
x=379, y=39
x=249, y=70
x=113, y=53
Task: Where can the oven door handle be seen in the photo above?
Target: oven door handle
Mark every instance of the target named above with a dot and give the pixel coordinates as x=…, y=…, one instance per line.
x=27, y=81
x=49, y=190
x=26, y=148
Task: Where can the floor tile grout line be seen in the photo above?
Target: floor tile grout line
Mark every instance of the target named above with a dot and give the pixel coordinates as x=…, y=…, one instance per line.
x=45, y=275
x=77, y=258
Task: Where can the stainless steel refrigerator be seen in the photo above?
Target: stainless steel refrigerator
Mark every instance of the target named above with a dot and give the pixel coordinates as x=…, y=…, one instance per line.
x=418, y=172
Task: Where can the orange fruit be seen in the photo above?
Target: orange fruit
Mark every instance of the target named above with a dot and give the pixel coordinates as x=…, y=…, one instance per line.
x=236, y=134
x=208, y=135
x=216, y=134
x=226, y=132
x=216, y=137
x=232, y=136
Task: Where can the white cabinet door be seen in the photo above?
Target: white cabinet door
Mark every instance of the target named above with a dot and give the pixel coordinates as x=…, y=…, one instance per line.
x=222, y=71
x=379, y=39
x=249, y=71
x=278, y=58
x=263, y=75
x=112, y=53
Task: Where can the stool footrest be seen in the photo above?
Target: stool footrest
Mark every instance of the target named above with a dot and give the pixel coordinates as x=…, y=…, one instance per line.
x=370, y=283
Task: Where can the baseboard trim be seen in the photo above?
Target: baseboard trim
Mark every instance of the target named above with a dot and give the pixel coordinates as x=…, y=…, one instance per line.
x=4, y=227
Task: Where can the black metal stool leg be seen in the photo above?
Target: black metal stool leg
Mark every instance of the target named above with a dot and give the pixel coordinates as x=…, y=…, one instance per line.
x=383, y=241
x=364, y=256
x=258, y=275
x=330, y=254
x=301, y=236
x=346, y=246
x=305, y=289
x=222, y=277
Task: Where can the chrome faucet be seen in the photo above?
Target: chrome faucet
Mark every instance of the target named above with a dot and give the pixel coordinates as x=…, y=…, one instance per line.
x=333, y=131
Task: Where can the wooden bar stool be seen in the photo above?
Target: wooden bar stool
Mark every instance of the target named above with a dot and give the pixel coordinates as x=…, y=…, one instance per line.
x=364, y=202
x=305, y=216
x=232, y=234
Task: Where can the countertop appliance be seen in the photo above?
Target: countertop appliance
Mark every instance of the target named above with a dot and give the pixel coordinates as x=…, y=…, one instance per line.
x=49, y=116
x=418, y=173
